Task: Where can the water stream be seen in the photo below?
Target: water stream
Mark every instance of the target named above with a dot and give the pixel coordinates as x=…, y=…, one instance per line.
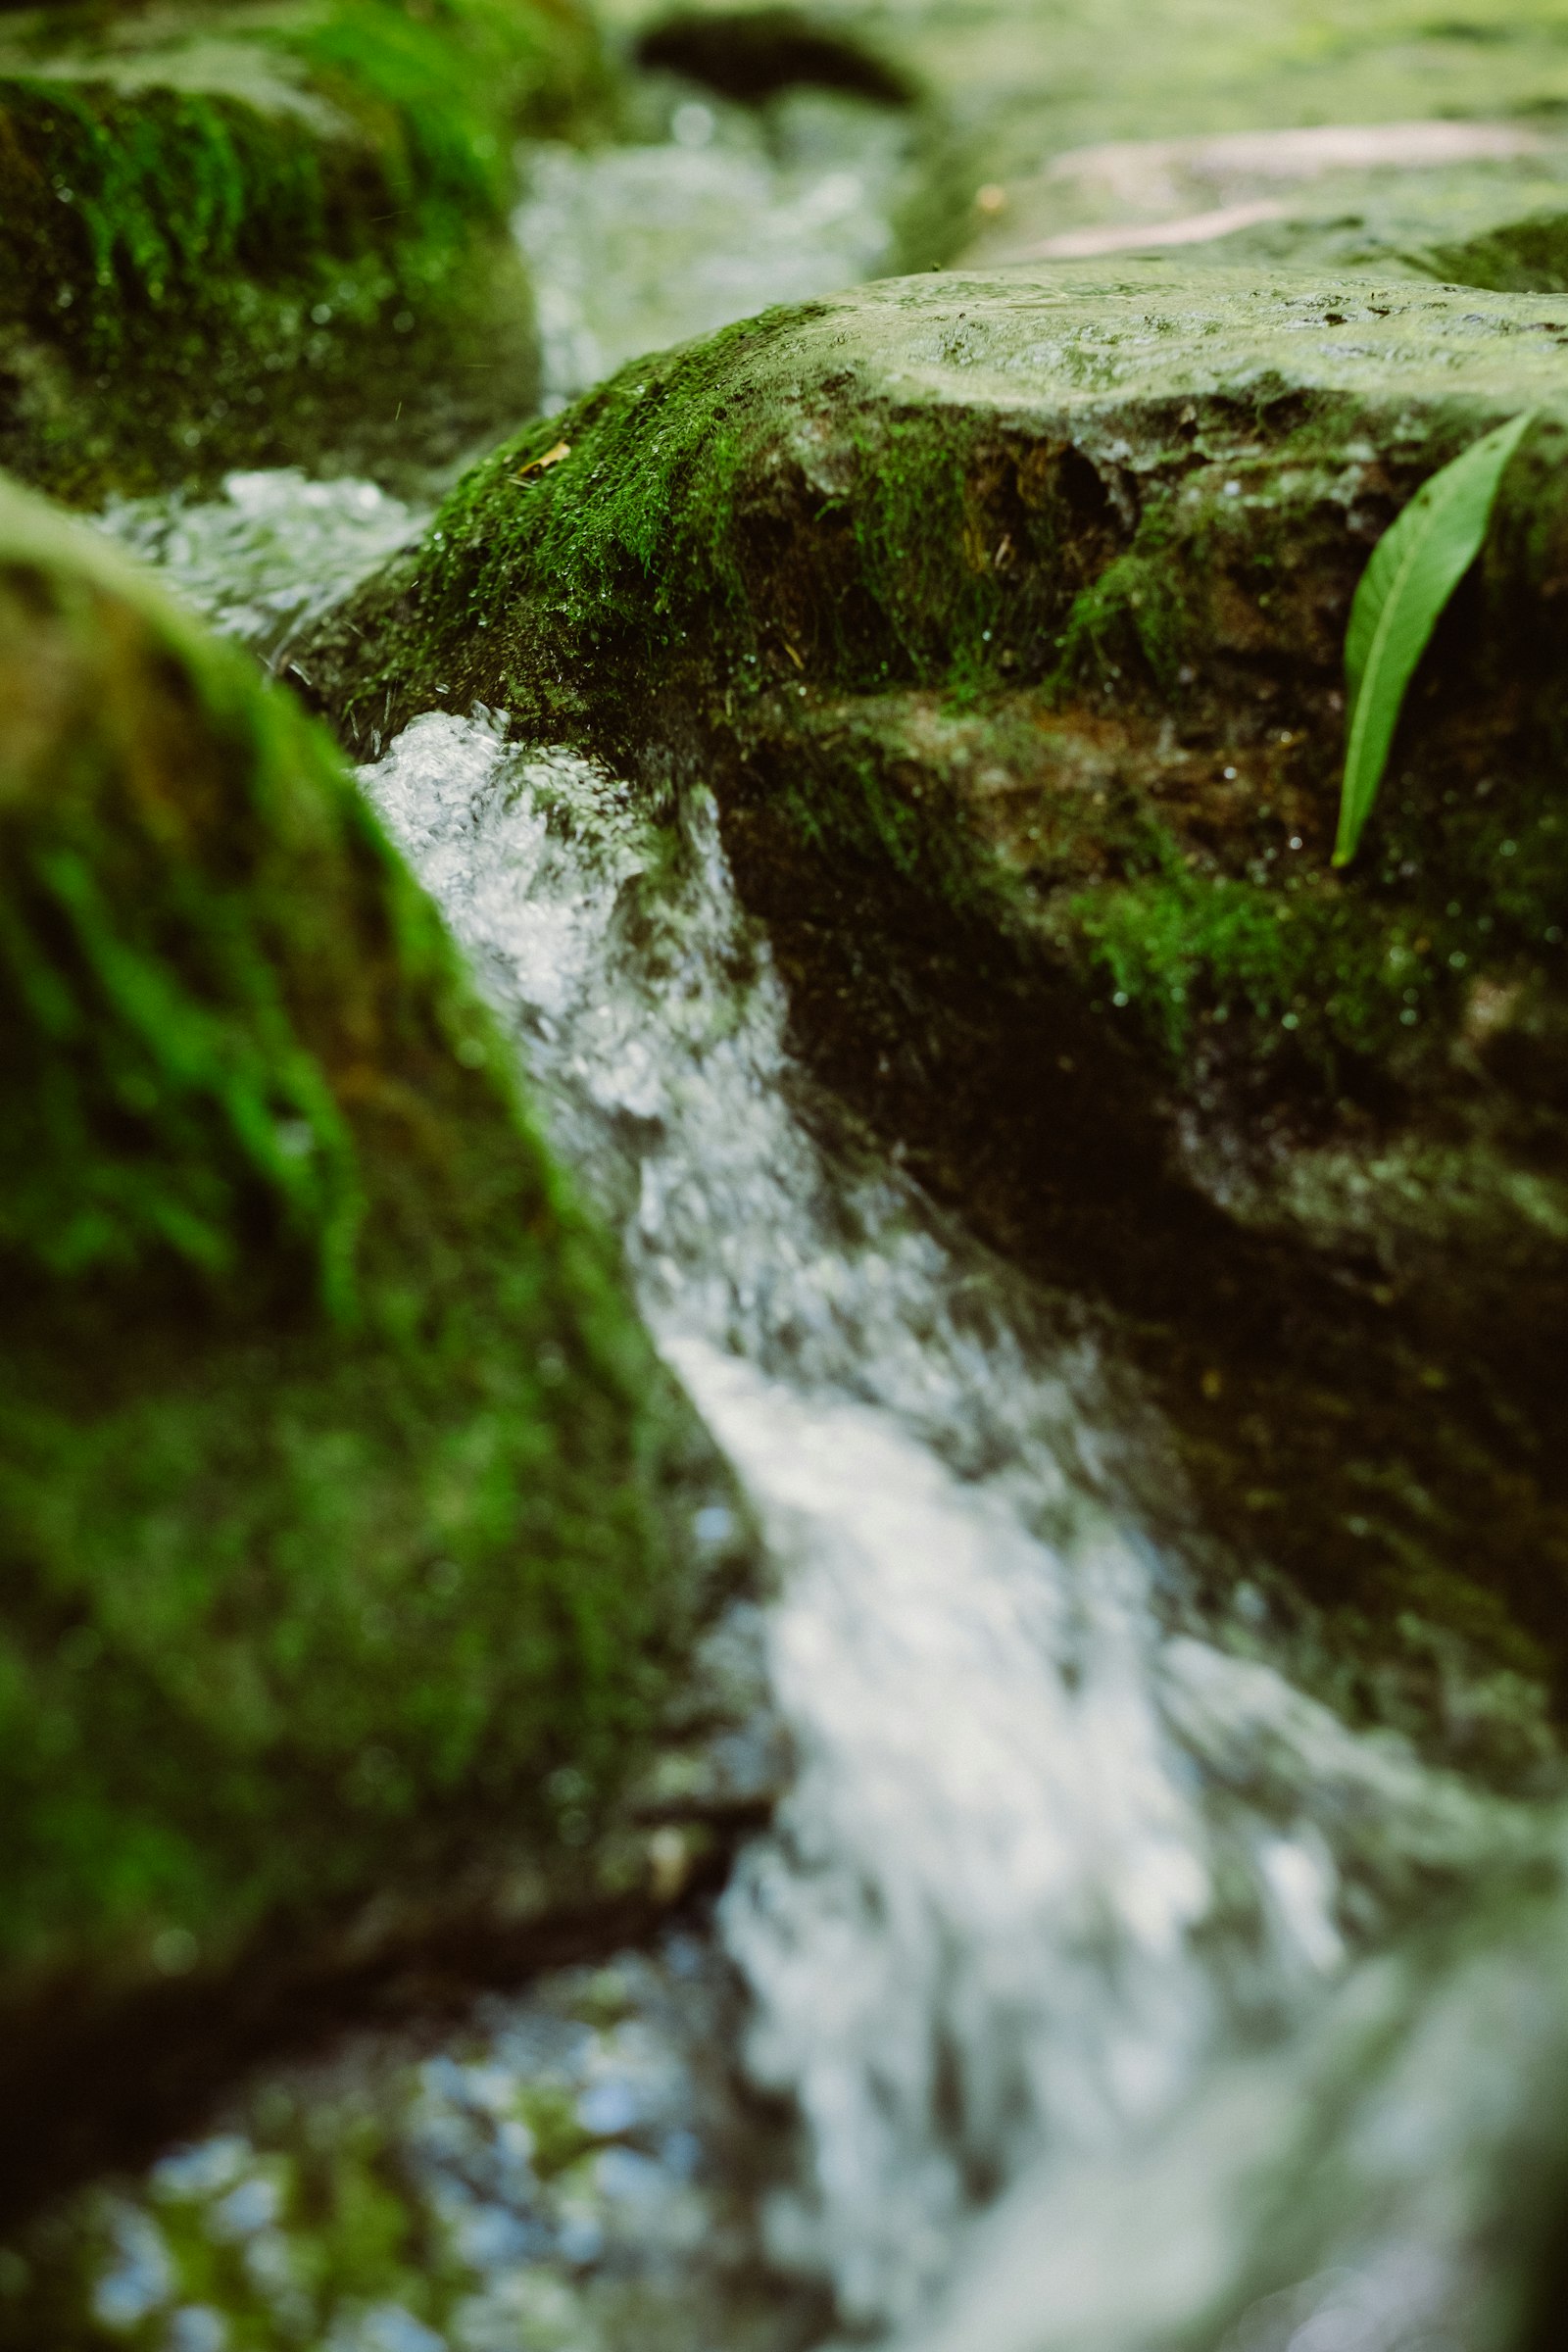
x=273, y=554
x=1057, y=1859
x=637, y=247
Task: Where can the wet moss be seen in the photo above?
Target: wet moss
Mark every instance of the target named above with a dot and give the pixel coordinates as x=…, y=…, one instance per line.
x=344, y=1502
x=214, y=229
x=1519, y=257
x=1232, y=619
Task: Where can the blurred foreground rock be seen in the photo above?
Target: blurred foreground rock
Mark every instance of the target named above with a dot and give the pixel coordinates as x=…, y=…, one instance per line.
x=351, y=1529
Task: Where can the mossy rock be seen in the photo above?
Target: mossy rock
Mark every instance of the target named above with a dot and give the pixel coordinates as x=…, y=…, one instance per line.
x=1005, y=616
x=348, y=1519
x=249, y=236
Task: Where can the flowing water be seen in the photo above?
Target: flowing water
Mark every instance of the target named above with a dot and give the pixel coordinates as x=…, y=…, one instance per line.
x=637, y=247
x=272, y=554
x=1059, y=1960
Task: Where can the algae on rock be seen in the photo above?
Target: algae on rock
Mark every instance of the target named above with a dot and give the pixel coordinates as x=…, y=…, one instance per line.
x=1006, y=615
x=242, y=237
x=347, y=1515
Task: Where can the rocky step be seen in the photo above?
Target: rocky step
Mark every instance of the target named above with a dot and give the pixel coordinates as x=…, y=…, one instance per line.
x=1004, y=615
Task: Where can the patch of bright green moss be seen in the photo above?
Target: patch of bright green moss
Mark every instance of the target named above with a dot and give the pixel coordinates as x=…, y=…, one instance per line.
x=1186, y=949
x=343, y=1499
x=1329, y=977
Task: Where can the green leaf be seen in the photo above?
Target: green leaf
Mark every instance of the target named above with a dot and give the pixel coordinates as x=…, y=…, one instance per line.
x=1415, y=567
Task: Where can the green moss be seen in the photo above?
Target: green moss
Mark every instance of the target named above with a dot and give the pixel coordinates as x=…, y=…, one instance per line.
x=1231, y=593
x=1186, y=949
x=343, y=1499
x=1327, y=977
x=897, y=491
x=917, y=552
x=1528, y=255
x=248, y=254
x=160, y=1098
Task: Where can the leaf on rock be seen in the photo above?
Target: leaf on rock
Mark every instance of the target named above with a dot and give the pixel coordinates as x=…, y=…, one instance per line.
x=552, y=456
x=1415, y=567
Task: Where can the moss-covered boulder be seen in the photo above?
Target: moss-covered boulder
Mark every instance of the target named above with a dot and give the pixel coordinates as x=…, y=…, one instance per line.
x=246, y=235
x=347, y=1520
x=1006, y=615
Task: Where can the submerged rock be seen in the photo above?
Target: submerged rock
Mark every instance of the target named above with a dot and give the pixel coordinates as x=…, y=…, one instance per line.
x=351, y=1537
x=246, y=237
x=569, y=2166
x=1004, y=615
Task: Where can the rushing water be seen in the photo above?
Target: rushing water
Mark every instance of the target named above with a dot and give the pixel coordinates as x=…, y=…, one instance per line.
x=1054, y=1963
x=270, y=556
